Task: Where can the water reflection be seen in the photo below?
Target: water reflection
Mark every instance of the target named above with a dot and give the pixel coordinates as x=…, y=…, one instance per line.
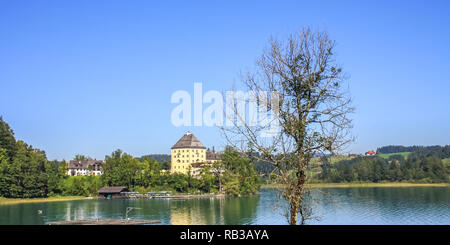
x=221, y=211
x=407, y=205
x=196, y=211
x=396, y=205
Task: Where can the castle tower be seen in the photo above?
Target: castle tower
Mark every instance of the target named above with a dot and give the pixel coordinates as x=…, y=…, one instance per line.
x=186, y=151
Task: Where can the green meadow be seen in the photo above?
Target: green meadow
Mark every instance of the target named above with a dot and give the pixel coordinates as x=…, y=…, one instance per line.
x=386, y=156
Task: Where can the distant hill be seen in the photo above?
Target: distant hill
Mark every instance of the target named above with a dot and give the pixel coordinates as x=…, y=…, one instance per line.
x=399, y=148
x=423, y=164
x=158, y=157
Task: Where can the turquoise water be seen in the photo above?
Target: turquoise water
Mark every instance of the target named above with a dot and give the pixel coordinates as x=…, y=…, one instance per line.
x=382, y=205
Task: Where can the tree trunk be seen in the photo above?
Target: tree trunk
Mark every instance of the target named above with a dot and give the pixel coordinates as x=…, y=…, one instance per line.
x=293, y=215
x=297, y=199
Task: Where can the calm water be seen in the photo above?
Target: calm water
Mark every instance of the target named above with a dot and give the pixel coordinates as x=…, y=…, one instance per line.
x=406, y=205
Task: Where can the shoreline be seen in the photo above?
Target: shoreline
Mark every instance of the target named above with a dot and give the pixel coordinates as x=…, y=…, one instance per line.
x=8, y=201
x=176, y=196
x=349, y=185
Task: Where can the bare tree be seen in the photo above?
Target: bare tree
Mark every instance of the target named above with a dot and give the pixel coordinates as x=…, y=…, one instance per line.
x=310, y=103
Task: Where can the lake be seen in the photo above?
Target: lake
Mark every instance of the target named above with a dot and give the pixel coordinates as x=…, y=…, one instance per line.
x=349, y=206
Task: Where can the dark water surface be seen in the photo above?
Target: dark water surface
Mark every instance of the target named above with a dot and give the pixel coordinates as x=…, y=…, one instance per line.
x=366, y=205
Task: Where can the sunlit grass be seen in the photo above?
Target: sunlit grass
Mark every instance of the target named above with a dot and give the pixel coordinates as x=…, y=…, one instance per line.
x=4, y=201
x=446, y=162
x=386, y=156
x=368, y=184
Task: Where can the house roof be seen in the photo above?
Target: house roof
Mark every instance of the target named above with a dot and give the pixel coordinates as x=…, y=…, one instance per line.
x=112, y=189
x=212, y=156
x=197, y=164
x=83, y=164
x=188, y=141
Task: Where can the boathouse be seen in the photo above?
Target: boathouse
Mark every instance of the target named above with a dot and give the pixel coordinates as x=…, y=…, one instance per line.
x=112, y=192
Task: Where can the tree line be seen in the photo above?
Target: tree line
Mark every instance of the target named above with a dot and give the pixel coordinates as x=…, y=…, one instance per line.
x=423, y=166
x=399, y=148
x=162, y=158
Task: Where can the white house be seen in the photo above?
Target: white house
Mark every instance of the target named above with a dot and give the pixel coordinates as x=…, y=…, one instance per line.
x=85, y=168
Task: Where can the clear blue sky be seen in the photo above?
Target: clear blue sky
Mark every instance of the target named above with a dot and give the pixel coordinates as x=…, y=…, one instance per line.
x=88, y=77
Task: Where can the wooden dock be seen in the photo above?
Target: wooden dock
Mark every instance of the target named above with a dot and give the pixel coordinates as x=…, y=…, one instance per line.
x=186, y=196
x=105, y=222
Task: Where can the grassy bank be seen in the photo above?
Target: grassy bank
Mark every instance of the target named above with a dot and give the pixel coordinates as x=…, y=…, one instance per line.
x=386, y=156
x=6, y=201
x=389, y=184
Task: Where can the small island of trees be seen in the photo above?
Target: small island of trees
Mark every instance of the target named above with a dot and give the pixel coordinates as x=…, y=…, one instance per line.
x=25, y=172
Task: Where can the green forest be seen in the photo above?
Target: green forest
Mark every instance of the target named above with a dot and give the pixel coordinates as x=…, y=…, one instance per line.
x=426, y=165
